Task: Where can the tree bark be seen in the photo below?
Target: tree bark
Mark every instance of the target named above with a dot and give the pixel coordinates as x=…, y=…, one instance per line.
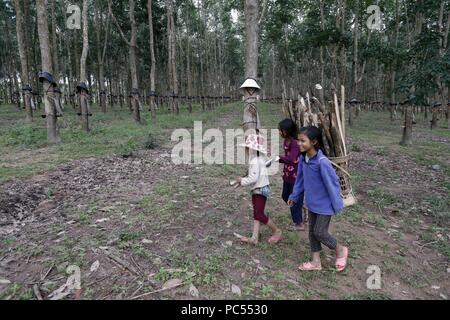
x=354, y=66
x=46, y=60
x=434, y=118
x=101, y=52
x=172, y=57
x=322, y=27
x=54, y=43
x=83, y=77
x=447, y=114
x=251, y=118
x=153, y=60
x=407, y=130
x=23, y=52
x=394, y=66
x=188, y=66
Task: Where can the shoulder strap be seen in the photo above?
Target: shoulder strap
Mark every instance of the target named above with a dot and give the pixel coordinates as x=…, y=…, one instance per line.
x=323, y=157
x=335, y=165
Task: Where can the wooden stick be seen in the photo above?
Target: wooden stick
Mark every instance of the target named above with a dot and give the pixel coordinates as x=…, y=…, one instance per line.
x=343, y=111
x=328, y=150
x=156, y=291
x=302, y=119
x=326, y=129
x=336, y=137
x=291, y=110
x=310, y=119
x=322, y=105
x=37, y=292
x=136, y=265
x=46, y=274
x=339, y=123
x=315, y=120
x=121, y=263
x=298, y=117
x=309, y=102
x=302, y=102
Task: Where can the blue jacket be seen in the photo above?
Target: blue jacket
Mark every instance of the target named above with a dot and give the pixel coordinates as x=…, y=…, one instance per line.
x=318, y=180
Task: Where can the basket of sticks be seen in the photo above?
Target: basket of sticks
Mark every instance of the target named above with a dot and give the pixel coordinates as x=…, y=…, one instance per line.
x=341, y=165
x=331, y=119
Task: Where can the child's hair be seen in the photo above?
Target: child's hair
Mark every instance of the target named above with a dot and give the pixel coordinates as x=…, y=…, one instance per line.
x=314, y=133
x=289, y=126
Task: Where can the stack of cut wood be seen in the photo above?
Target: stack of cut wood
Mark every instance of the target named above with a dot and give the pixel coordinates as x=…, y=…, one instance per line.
x=331, y=119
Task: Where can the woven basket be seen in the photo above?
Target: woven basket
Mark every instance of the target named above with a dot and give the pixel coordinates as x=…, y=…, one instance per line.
x=341, y=166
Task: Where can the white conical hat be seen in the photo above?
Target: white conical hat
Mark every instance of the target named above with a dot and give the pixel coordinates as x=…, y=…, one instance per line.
x=250, y=83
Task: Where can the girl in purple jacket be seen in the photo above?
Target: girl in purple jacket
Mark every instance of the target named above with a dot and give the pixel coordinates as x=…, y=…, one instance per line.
x=318, y=182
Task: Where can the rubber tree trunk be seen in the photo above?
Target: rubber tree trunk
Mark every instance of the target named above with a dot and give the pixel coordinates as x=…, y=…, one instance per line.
x=54, y=42
x=172, y=57
x=434, y=118
x=407, y=130
x=188, y=67
x=134, y=82
x=251, y=61
x=83, y=77
x=46, y=60
x=407, y=110
x=393, y=67
x=153, y=60
x=101, y=57
x=447, y=115
x=133, y=68
x=23, y=49
x=354, y=67
x=85, y=111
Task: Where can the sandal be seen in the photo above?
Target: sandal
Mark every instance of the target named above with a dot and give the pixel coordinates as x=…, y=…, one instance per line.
x=275, y=238
x=308, y=266
x=341, y=263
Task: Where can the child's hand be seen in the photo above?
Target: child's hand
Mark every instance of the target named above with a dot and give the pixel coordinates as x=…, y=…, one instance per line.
x=239, y=180
x=290, y=203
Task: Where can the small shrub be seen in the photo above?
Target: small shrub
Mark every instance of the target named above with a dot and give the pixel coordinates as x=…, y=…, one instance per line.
x=127, y=148
x=356, y=148
x=150, y=142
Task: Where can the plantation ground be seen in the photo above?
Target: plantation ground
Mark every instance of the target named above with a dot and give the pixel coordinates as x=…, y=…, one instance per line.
x=147, y=221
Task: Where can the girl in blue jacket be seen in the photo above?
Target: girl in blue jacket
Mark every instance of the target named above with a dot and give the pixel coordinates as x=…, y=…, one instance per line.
x=318, y=183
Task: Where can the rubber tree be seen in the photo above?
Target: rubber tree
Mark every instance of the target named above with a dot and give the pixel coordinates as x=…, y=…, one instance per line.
x=46, y=62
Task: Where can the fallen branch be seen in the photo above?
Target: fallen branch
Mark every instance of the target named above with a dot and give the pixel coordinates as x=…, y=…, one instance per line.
x=47, y=273
x=156, y=291
x=37, y=292
x=122, y=263
x=136, y=265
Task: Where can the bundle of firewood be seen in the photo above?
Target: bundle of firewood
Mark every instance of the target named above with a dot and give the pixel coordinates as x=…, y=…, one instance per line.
x=330, y=117
x=315, y=112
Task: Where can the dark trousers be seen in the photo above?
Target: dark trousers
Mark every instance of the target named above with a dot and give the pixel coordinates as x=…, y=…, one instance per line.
x=296, y=210
x=318, y=232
